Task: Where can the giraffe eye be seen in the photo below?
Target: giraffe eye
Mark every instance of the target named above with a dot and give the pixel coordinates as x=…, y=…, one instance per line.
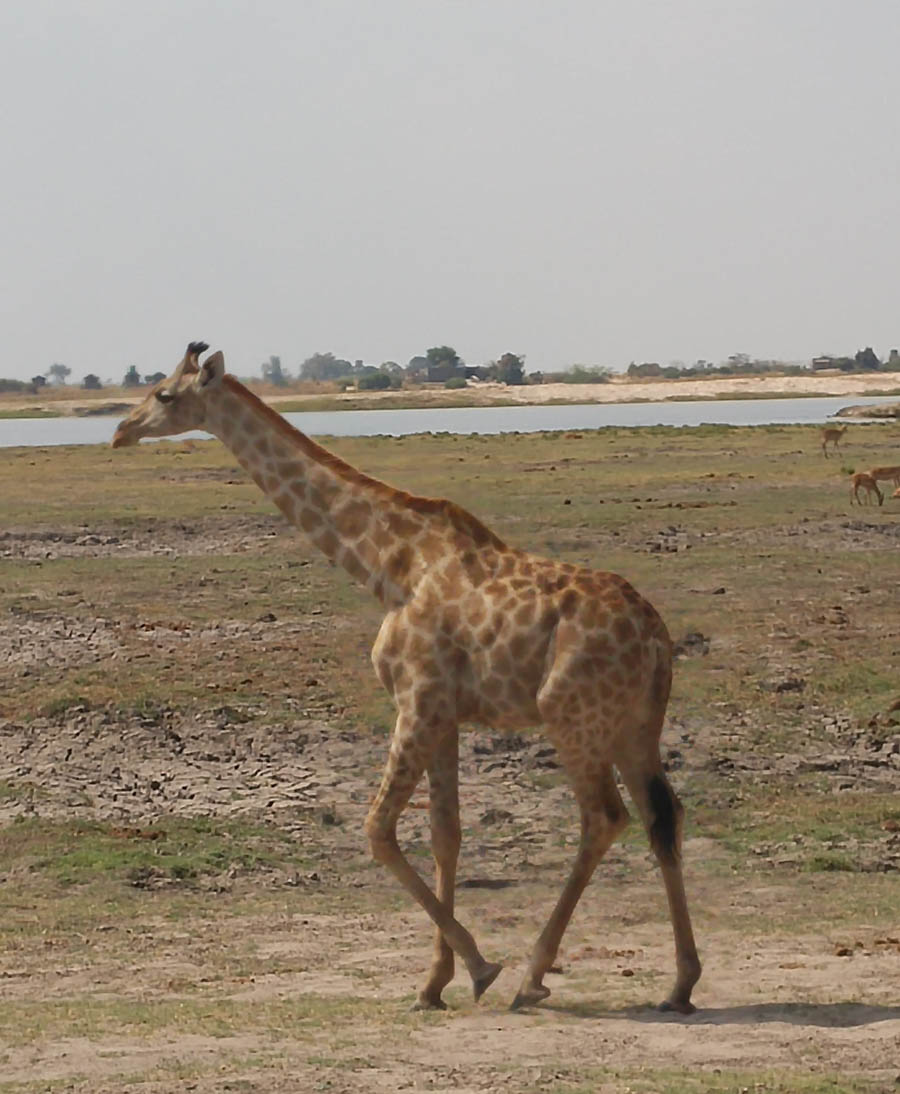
x=164, y=396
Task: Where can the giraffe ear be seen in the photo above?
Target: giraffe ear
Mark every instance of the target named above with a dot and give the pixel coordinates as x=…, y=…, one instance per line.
x=212, y=369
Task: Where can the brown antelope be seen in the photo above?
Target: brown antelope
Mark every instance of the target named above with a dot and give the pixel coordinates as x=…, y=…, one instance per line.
x=886, y=474
x=863, y=480
x=832, y=433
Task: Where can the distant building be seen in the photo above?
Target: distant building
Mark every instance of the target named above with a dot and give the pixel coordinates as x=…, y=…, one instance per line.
x=446, y=370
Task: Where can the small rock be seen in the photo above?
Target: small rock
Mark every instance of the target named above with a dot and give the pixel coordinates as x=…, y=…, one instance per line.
x=694, y=644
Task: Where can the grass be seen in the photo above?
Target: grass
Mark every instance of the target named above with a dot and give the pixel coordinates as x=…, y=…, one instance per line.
x=178, y=850
x=681, y=513
x=763, y=1081
x=23, y=1022
x=27, y=412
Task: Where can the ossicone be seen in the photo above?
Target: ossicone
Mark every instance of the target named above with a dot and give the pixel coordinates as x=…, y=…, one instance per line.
x=189, y=362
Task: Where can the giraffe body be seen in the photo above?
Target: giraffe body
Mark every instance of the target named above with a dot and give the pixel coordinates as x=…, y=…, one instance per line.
x=474, y=631
x=515, y=641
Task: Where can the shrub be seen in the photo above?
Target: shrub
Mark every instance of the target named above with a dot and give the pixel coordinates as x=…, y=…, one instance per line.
x=374, y=381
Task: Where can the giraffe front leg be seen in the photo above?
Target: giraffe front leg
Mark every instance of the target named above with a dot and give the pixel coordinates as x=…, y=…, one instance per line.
x=412, y=747
x=443, y=788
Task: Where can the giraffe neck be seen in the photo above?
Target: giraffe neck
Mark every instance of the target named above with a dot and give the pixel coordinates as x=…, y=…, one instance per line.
x=381, y=536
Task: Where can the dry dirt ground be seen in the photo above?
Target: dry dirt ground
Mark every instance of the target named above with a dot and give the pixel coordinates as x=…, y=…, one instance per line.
x=315, y=966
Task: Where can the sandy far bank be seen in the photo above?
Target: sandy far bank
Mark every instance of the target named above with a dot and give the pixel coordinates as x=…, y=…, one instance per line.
x=627, y=391
x=618, y=390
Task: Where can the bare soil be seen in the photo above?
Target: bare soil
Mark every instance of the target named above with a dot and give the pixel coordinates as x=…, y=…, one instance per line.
x=819, y=999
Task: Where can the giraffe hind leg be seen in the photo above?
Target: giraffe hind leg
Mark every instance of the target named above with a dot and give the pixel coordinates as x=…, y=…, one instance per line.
x=603, y=817
x=662, y=814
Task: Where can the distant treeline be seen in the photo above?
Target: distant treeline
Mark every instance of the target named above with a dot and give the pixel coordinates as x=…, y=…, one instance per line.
x=443, y=365
x=741, y=364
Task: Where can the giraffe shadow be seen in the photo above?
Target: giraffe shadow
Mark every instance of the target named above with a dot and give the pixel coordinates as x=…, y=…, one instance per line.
x=486, y=883
x=825, y=1015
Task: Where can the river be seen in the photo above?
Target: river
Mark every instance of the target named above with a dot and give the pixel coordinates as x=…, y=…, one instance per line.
x=493, y=419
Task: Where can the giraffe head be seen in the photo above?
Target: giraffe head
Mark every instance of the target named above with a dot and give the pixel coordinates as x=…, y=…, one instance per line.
x=176, y=404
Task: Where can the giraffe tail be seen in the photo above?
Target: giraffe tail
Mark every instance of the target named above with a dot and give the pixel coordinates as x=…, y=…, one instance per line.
x=664, y=829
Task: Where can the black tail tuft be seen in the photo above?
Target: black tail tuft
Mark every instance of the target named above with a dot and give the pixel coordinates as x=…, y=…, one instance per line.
x=197, y=347
x=663, y=830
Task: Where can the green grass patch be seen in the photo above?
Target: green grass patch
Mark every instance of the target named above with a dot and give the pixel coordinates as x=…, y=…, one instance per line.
x=177, y=850
x=730, y=1081
x=90, y=1017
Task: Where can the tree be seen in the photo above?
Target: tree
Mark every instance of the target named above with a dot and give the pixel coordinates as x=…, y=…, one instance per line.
x=132, y=377
x=443, y=355
x=273, y=373
x=154, y=377
x=646, y=368
x=58, y=372
x=37, y=382
x=324, y=366
x=91, y=382
x=510, y=369
x=417, y=369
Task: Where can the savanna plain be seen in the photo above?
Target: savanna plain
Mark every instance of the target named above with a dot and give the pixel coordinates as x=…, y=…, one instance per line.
x=191, y=732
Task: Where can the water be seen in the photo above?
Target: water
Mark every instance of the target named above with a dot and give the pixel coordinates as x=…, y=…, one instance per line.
x=493, y=419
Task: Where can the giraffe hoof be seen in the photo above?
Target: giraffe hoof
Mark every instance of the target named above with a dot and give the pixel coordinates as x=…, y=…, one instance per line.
x=480, y=984
x=527, y=997
x=672, y=1006
x=428, y=1004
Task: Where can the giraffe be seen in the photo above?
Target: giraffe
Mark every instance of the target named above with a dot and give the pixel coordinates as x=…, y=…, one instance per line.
x=474, y=631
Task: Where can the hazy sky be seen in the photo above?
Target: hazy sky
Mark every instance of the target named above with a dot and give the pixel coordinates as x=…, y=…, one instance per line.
x=578, y=181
